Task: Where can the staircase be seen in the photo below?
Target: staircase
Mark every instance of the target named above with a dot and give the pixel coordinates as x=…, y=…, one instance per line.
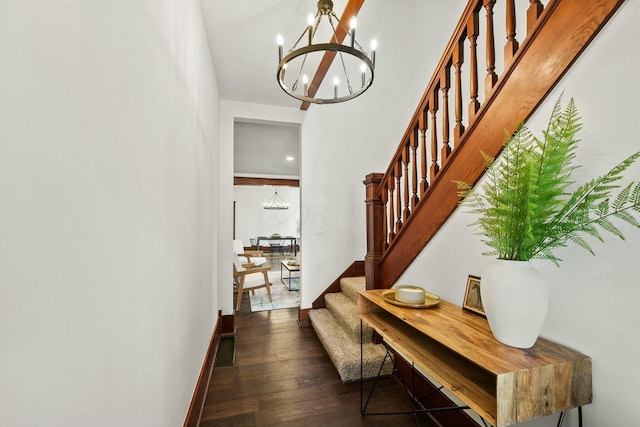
x=338, y=327
x=456, y=121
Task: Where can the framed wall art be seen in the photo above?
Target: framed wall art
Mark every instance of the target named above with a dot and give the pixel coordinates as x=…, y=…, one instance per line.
x=472, y=299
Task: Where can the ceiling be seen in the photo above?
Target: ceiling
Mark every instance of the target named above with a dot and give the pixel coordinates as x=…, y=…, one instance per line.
x=242, y=37
x=266, y=150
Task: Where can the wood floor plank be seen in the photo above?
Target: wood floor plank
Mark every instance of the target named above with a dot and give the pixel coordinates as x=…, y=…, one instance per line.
x=236, y=407
x=282, y=377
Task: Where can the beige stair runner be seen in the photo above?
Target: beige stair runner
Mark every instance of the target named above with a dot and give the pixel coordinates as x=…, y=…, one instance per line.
x=338, y=327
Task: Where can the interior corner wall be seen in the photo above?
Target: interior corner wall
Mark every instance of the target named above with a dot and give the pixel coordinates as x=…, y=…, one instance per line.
x=230, y=111
x=108, y=211
x=592, y=299
x=342, y=143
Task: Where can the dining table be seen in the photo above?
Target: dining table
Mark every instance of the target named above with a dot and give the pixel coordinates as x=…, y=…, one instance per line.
x=293, y=241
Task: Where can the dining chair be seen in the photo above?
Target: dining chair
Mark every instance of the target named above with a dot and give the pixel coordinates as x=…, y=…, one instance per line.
x=241, y=272
x=254, y=257
x=276, y=246
x=254, y=244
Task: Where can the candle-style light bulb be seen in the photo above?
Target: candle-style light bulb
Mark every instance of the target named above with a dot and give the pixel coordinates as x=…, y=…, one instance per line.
x=374, y=46
x=310, y=20
x=305, y=81
x=280, y=41
x=363, y=71
x=353, y=23
x=336, y=82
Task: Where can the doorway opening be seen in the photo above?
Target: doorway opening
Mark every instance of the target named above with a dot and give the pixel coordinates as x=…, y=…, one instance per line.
x=266, y=161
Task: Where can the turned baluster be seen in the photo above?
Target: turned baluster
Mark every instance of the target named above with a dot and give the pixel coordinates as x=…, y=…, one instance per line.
x=384, y=197
x=491, y=78
x=407, y=194
x=444, y=87
x=413, y=141
x=533, y=13
x=433, y=103
x=511, y=47
x=392, y=219
x=472, y=34
x=458, y=59
x=424, y=184
x=398, y=175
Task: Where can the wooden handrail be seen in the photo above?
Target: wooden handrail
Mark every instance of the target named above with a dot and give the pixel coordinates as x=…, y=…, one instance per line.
x=415, y=196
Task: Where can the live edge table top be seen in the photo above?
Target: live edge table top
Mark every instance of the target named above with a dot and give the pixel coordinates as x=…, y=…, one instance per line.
x=505, y=385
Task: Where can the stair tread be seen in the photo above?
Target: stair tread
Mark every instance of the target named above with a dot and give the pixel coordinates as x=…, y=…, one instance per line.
x=344, y=352
x=345, y=312
x=352, y=285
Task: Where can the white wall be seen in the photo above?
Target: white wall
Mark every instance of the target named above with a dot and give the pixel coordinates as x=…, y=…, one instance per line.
x=108, y=189
x=252, y=220
x=593, y=304
x=342, y=143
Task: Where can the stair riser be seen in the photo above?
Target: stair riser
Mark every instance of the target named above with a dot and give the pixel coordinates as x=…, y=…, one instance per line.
x=351, y=286
x=344, y=353
x=344, y=311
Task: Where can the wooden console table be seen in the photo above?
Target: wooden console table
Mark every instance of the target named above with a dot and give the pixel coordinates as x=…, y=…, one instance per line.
x=502, y=384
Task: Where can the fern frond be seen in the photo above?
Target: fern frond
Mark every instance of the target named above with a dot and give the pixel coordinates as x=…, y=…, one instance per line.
x=602, y=208
x=622, y=198
x=607, y=225
x=576, y=239
x=625, y=216
x=635, y=195
x=547, y=255
x=524, y=207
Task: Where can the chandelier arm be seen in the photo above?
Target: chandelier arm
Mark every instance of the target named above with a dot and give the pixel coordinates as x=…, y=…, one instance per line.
x=318, y=17
x=333, y=28
x=295, y=45
x=346, y=75
x=344, y=27
x=347, y=32
x=295, y=83
x=335, y=36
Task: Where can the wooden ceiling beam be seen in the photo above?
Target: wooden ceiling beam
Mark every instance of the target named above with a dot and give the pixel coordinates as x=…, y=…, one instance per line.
x=351, y=9
x=280, y=182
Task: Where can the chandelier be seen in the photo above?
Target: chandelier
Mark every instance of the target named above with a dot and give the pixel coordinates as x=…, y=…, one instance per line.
x=275, y=202
x=355, y=66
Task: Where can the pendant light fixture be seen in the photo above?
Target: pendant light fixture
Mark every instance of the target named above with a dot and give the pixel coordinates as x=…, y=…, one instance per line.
x=353, y=71
x=275, y=202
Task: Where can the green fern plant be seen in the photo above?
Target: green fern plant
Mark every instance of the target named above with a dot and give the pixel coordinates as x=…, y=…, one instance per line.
x=524, y=208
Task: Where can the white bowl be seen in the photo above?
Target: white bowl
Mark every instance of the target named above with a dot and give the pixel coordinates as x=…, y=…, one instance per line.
x=409, y=294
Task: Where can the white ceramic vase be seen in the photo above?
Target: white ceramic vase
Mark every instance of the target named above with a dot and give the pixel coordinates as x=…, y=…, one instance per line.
x=515, y=297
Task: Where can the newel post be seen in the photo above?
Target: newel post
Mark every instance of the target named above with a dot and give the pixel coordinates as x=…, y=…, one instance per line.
x=375, y=230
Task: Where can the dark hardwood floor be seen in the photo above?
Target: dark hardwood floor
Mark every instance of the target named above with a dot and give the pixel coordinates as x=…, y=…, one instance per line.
x=282, y=376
